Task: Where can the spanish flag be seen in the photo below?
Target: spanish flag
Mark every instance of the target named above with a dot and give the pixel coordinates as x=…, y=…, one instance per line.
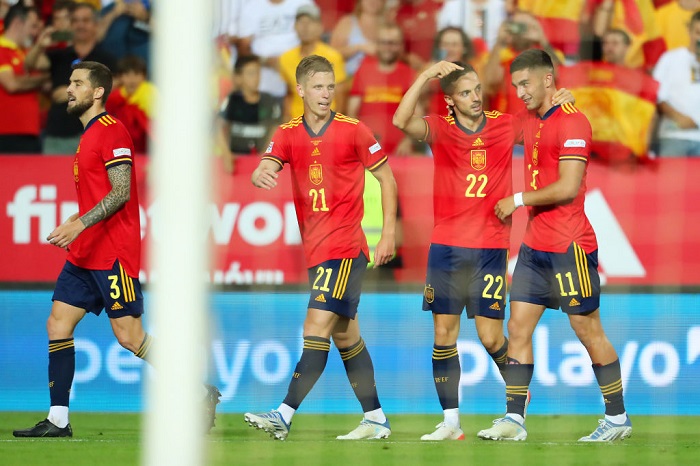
x=620, y=104
x=559, y=20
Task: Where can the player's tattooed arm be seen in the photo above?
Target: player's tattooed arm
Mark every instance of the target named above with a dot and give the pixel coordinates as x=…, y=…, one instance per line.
x=120, y=179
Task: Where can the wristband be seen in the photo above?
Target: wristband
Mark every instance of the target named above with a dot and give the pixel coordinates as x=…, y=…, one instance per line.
x=518, y=200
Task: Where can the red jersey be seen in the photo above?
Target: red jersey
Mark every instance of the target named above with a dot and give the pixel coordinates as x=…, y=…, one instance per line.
x=328, y=180
x=381, y=94
x=473, y=172
x=562, y=134
x=106, y=144
x=20, y=110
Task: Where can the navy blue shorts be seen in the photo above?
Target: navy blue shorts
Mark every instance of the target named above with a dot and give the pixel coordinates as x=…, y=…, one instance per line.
x=569, y=280
x=336, y=285
x=459, y=277
x=94, y=290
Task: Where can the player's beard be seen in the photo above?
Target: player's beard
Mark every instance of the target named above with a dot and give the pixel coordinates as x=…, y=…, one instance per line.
x=79, y=108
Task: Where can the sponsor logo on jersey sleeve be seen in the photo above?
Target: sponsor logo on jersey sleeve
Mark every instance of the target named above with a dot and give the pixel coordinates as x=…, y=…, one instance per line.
x=269, y=147
x=122, y=152
x=374, y=148
x=575, y=143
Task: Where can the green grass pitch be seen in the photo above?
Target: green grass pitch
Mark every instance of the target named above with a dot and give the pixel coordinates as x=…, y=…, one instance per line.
x=115, y=439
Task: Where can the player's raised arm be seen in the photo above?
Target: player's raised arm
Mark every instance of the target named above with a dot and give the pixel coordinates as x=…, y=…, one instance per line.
x=265, y=176
x=404, y=117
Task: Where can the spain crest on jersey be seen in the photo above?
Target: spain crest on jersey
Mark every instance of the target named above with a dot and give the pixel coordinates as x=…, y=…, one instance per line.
x=535, y=154
x=429, y=294
x=478, y=159
x=75, y=170
x=316, y=173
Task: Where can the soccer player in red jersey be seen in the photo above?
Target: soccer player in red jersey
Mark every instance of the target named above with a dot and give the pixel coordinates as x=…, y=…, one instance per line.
x=103, y=241
x=468, y=258
x=558, y=261
x=328, y=153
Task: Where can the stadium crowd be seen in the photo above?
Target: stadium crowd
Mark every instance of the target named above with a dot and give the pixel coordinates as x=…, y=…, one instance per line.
x=632, y=66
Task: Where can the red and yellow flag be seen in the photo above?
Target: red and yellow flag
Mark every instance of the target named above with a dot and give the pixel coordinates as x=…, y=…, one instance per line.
x=619, y=102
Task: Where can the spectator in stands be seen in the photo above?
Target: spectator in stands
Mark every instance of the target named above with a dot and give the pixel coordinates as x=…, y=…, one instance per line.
x=248, y=117
x=678, y=74
x=309, y=28
x=226, y=25
x=377, y=88
x=561, y=21
x=418, y=20
x=616, y=43
x=62, y=35
x=619, y=101
x=19, y=90
x=132, y=100
x=520, y=32
x=124, y=28
x=480, y=19
x=454, y=45
x=267, y=30
x=669, y=18
x=333, y=10
x=355, y=35
x=637, y=19
x=62, y=132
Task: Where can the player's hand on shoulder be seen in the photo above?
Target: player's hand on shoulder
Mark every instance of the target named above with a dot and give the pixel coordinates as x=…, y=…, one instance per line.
x=563, y=96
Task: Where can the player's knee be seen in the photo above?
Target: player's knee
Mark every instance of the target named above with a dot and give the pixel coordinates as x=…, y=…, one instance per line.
x=518, y=333
x=589, y=337
x=56, y=329
x=490, y=341
x=445, y=335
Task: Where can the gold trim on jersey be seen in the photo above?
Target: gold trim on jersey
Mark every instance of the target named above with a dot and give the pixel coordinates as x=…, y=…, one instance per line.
x=119, y=160
x=376, y=165
x=341, y=282
x=450, y=119
x=107, y=120
x=584, y=277
x=573, y=157
x=127, y=285
x=274, y=159
x=569, y=108
x=347, y=119
x=293, y=123
x=492, y=114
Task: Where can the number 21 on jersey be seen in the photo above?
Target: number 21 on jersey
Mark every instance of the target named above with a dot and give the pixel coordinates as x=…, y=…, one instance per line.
x=318, y=203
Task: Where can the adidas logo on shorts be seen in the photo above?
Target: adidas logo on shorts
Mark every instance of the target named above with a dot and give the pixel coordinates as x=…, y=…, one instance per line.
x=320, y=298
x=116, y=306
x=574, y=302
x=495, y=306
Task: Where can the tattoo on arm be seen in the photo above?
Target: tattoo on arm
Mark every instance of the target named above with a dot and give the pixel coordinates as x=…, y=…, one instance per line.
x=120, y=178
